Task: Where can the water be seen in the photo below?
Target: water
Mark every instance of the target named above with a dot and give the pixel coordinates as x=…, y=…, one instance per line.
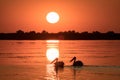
x=27, y=60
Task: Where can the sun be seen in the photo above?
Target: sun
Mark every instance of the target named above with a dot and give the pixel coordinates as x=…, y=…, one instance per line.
x=52, y=17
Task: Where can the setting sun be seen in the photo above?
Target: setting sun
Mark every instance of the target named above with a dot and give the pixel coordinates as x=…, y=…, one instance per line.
x=52, y=17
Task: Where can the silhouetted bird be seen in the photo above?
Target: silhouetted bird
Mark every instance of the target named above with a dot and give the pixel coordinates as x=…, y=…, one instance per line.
x=58, y=63
x=76, y=63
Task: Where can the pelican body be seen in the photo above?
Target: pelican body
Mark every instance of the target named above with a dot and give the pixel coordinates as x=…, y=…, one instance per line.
x=57, y=63
x=76, y=63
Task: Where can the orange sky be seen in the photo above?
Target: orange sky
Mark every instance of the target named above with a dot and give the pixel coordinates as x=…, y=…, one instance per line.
x=78, y=15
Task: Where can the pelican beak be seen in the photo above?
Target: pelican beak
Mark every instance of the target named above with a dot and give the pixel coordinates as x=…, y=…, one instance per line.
x=54, y=60
x=74, y=58
x=71, y=59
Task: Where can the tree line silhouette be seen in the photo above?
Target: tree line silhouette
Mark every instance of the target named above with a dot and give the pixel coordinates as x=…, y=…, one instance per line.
x=66, y=35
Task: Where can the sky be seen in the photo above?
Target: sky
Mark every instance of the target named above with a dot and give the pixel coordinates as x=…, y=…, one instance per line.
x=78, y=15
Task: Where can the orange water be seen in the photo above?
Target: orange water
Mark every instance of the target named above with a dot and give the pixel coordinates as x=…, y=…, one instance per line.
x=26, y=60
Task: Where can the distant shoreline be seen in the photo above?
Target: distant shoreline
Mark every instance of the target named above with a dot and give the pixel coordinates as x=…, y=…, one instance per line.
x=66, y=35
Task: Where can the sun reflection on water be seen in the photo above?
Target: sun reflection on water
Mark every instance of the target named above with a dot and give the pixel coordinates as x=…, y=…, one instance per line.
x=52, y=41
x=52, y=51
x=51, y=73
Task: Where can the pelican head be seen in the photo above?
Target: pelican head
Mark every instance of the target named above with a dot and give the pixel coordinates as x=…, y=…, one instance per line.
x=74, y=58
x=57, y=63
x=76, y=63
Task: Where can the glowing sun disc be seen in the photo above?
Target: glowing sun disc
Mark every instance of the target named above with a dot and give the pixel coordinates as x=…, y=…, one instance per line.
x=52, y=53
x=52, y=17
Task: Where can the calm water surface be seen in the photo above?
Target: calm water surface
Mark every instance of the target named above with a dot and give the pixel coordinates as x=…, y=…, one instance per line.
x=27, y=60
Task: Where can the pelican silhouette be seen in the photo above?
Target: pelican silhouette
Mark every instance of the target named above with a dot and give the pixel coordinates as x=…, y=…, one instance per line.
x=57, y=63
x=76, y=63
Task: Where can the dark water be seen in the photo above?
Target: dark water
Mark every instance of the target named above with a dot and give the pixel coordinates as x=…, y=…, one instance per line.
x=27, y=60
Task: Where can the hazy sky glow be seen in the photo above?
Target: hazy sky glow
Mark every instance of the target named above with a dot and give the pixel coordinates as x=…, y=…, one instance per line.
x=78, y=15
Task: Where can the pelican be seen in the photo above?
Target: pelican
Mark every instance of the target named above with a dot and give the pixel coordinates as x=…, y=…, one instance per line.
x=76, y=63
x=57, y=63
